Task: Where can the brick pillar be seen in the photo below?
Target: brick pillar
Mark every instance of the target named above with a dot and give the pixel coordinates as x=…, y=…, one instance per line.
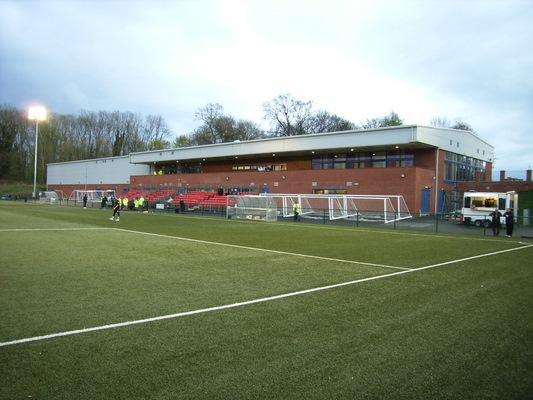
x=502, y=176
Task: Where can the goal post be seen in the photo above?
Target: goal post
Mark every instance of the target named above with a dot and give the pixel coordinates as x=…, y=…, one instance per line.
x=342, y=207
x=93, y=196
x=252, y=207
x=288, y=205
x=381, y=208
x=51, y=198
x=386, y=208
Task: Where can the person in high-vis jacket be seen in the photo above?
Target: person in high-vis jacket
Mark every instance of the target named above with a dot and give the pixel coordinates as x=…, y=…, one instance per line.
x=296, y=209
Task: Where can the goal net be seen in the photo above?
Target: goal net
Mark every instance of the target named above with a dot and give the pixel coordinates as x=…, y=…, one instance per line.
x=380, y=208
x=252, y=207
x=92, y=195
x=48, y=198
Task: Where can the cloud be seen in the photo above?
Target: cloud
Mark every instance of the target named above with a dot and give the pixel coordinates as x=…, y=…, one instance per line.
x=357, y=59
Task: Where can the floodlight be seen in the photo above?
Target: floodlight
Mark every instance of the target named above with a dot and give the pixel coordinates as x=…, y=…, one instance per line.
x=38, y=113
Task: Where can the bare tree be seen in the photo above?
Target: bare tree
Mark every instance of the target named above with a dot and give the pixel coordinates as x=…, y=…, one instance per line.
x=220, y=128
x=126, y=127
x=93, y=133
x=15, y=144
x=461, y=125
x=158, y=144
x=62, y=138
x=247, y=130
x=201, y=135
x=444, y=122
x=210, y=115
x=288, y=116
x=323, y=121
x=391, y=119
x=154, y=133
x=182, y=141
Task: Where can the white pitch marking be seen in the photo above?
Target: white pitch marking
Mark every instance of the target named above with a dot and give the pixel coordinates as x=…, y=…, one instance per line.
x=220, y=244
x=245, y=303
x=264, y=250
x=50, y=229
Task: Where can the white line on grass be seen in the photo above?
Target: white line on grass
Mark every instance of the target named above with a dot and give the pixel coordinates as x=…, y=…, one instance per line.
x=260, y=249
x=400, y=232
x=245, y=303
x=50, y=229
x=221, y=244
x=374, y=230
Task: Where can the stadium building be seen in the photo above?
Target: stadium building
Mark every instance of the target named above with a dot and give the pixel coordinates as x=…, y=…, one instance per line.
x=420, y=163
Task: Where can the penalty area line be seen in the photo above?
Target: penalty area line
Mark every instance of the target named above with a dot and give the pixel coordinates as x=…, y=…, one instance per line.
x=263, y=250
x=249, y=302
x=49, y=229
x=194, y=312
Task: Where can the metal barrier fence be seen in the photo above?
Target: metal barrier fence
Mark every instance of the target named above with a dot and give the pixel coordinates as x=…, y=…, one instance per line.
x=439, y=223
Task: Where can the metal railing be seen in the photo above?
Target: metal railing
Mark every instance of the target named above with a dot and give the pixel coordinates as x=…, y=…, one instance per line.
x=441, y=223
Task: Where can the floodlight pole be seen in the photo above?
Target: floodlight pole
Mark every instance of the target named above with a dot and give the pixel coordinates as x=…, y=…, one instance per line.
x=36, y=113
x=35, y=160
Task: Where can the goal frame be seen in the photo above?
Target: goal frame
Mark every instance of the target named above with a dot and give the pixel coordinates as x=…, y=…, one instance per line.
x=386, y=208
x=48, y=197
x=93, y=196
x=251, y=207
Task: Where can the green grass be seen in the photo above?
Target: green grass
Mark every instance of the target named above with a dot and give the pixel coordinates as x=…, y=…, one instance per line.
x=459, y=330
x=18, y=188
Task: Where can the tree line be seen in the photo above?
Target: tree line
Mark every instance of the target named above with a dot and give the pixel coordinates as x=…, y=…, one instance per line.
x=97, y=134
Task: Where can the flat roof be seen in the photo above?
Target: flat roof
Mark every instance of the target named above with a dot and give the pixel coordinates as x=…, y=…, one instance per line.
x=389, y=138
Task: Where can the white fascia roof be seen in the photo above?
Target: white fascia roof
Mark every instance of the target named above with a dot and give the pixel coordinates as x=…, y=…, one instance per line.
x=404, y=136
x=101, y=159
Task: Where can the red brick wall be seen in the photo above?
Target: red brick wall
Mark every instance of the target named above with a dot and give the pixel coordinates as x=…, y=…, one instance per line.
x=299, y=178
x=377, y=181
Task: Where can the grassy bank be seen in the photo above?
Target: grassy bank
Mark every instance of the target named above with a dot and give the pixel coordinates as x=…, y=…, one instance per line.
x=17, y=188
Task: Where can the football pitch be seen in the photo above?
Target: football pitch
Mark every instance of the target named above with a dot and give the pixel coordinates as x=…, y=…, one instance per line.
x=169, y=306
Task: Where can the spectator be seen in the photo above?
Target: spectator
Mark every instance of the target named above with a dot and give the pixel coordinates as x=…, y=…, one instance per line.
x=496, y=223
x=296, y=208
x=509, y=222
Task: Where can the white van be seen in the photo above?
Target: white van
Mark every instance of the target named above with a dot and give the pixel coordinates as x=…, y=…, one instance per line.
x=478, y=205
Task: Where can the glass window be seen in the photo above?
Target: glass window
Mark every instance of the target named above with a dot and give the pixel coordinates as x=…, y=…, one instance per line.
x=379, y=159
x=365, y=160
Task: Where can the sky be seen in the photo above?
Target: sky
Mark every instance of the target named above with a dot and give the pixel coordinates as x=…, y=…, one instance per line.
x=470, y=60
